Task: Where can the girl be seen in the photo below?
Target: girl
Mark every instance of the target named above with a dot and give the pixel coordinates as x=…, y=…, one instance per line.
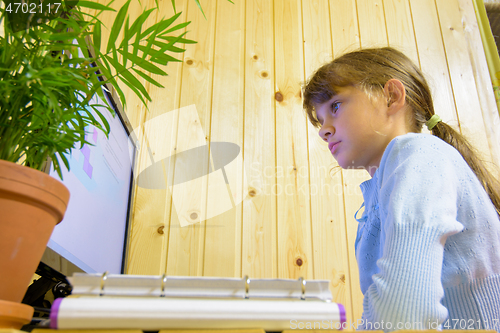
x=428, y=243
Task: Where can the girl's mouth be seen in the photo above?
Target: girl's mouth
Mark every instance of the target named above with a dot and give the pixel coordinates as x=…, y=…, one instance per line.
x=333, y=146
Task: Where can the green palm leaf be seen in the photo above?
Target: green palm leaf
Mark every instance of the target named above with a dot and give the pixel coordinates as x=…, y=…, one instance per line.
x=148, y=78
x=160, y=26
x=97, y=36
x=145, y=64
x=117, y=25
x=94, y=5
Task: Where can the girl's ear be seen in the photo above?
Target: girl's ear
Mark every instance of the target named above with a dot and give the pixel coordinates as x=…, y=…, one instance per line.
x=395, y=93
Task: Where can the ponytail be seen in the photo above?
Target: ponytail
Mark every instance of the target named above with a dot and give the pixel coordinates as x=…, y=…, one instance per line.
x=490, y=183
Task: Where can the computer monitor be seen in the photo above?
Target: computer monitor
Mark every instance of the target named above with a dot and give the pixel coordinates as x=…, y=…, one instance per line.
x=93, y=233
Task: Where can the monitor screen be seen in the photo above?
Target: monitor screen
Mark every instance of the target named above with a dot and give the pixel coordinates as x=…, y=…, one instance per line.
x=93, y=233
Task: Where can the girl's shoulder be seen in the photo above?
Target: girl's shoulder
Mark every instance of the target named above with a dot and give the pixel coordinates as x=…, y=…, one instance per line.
x=414, y=142
x=420, y=145
x=421, y=152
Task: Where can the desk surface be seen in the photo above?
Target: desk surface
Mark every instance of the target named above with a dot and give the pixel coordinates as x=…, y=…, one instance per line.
x=224, y=331
x=6, y=330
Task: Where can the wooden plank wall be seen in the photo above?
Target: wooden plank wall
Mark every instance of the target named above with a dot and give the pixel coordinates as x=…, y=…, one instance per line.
x=288, y=208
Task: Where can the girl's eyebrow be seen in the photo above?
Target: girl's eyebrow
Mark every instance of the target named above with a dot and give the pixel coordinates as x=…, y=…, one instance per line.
x=333, y=99
x=336, y=96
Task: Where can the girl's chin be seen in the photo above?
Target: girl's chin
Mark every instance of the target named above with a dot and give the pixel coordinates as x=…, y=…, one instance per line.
x=343, y=163
x=351, y=165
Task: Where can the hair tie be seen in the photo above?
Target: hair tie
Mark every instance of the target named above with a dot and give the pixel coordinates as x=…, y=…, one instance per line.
x=432, y=122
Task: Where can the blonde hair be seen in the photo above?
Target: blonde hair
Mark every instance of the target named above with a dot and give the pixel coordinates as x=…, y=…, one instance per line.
x=369, y=70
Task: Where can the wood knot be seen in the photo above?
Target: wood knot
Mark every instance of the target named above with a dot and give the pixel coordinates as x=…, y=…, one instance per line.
x=193, y=216
x=255, y=57
x=299, y=262
x=252, y=192
x=278, y=96
x=189, y=62
x=264, y=74
x=160, y=230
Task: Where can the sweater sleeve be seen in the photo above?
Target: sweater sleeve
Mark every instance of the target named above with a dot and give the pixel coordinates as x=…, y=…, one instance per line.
x=418, y=200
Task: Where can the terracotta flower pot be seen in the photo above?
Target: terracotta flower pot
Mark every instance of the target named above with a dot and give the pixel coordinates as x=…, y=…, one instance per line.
x=31, y=204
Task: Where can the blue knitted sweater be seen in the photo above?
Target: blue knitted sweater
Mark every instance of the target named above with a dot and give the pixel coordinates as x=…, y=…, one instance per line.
x=428, y=242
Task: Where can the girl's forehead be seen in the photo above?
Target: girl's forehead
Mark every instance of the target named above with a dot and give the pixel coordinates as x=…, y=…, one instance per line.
x=344, y=91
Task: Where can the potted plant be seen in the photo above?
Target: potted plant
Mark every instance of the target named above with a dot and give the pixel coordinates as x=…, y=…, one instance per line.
x=51, y=65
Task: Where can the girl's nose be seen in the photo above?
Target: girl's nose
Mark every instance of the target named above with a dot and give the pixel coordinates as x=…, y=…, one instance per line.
x=326, y=131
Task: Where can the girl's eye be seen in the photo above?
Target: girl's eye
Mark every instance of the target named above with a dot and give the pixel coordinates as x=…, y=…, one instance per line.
x=335, y=106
